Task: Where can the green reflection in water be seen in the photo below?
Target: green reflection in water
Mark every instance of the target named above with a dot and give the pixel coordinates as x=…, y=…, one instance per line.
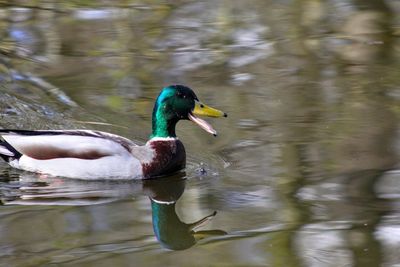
x=170, y=231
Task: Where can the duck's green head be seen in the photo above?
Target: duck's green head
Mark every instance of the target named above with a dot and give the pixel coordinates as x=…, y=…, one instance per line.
x=178, y=102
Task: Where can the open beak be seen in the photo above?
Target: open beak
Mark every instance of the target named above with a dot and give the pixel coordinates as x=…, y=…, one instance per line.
x=204, y=110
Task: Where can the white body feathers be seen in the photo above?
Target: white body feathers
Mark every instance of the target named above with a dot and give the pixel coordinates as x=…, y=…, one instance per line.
x=77, y=154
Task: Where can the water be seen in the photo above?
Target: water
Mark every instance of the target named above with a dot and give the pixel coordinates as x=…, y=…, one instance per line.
x=305, y=170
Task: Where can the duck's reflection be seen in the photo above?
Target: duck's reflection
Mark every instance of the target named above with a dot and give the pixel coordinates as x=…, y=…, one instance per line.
x=170, y=231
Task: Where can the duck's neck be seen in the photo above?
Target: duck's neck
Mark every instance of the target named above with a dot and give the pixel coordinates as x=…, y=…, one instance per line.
x=163, y=124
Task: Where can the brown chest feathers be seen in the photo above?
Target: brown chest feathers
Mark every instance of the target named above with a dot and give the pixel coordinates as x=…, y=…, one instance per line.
x=169, y=156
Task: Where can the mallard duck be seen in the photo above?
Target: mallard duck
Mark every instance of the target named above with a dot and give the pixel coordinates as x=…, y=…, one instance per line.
x=87, y=154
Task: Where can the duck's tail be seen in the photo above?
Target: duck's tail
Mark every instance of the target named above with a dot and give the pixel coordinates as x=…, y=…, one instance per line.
x=7, y=152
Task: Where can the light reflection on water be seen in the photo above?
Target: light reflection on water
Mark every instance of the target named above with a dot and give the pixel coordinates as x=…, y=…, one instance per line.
x=304, y=171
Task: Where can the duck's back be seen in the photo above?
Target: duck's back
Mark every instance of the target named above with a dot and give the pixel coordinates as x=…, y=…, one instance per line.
x=76, y=153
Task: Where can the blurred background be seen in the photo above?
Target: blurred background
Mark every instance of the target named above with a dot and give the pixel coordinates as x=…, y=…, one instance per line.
x=305, y=170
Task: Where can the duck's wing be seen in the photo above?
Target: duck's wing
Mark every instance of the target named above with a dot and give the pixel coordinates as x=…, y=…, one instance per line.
x=83, y=144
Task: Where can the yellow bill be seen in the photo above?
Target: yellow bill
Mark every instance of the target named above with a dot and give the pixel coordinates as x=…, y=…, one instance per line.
x=204, y=110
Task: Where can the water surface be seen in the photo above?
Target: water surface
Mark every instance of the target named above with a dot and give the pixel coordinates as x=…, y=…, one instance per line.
x=305, y=170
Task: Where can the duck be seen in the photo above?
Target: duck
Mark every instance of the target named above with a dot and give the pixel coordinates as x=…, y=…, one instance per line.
x=91, y=154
